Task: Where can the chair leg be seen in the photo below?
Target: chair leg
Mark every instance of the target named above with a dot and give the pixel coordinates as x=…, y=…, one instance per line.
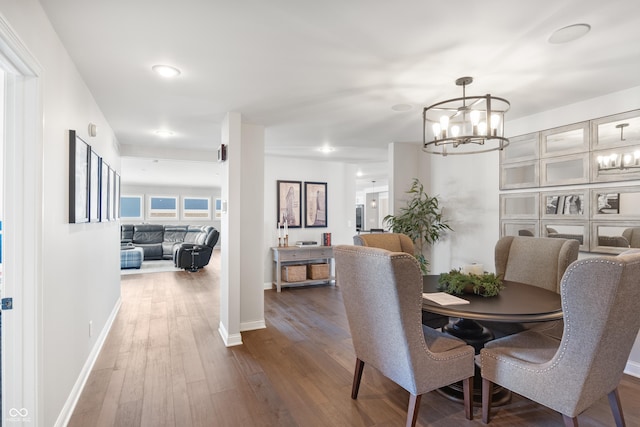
x=467, y=389
x=570, y=421
x=487, y=390
x=413, y=409
x=616, y=408
x=357, y=376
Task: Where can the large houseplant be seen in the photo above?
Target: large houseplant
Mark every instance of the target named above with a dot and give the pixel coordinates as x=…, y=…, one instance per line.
x=421, y=220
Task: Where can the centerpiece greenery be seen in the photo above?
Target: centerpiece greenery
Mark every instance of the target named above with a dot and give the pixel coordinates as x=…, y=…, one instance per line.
x=421, y=220
x=456, y=282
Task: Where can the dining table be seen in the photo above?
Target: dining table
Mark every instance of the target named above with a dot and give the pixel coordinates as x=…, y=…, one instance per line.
x=517, y=303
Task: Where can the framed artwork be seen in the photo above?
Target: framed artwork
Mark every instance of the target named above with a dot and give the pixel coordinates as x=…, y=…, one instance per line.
x=112, y=194
x=131, y=208
x=79, y=158
x=218, y=209
x=552, y=205
x=162, y=207
x=117, y=197
x=289, y=203
x=315, y=201
x=609, y=203
x=573, y=204
x=94, y=187
x=196, y=208
x=104, y=191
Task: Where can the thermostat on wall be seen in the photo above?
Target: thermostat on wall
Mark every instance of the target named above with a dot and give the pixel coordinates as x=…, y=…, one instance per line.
x=222, y=153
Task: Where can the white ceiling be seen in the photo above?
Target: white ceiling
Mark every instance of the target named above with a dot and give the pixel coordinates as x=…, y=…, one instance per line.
x=316, y=73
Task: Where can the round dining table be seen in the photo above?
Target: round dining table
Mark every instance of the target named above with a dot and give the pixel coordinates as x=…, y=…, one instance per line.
x=517, y=303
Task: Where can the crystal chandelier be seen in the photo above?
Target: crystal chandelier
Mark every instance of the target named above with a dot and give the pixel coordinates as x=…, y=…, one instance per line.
x=471, y=124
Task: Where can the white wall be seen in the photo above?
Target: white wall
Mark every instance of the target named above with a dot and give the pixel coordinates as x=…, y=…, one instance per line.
x=80, y=265
x=468, y=186
x=341, y=196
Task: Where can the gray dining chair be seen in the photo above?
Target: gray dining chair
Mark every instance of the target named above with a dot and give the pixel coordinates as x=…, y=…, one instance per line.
x=599, y=302
x=536, y=261
x=394, y=242
x=382, y=294
x=398, y=242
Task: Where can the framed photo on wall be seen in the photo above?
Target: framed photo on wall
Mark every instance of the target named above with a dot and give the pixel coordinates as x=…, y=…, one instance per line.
x=162, y=207
x=196, y=208
x=315, y=201
x=79, y=158
x=104, y=191
x=94, y=187
x=218, y=208
x=289, y=204
x=131, y=208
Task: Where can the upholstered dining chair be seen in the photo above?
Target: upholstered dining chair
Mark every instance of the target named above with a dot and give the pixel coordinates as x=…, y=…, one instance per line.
x=599, y=302
x=536, y=261
x=386, y=327
x=394, y=242
x=398, y=242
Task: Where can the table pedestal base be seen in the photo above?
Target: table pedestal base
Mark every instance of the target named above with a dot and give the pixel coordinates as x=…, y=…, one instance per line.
x=476, y=336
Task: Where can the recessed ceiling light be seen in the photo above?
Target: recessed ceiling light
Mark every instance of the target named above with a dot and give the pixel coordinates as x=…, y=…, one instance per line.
x=326, y=149
x=166, y=70
x=164, y=133
x=402, y=107
x=570, y=33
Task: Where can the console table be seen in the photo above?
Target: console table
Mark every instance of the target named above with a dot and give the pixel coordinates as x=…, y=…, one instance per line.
x=294, y=255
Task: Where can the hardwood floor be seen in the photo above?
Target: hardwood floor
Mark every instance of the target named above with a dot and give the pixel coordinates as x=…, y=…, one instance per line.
x=164, y=364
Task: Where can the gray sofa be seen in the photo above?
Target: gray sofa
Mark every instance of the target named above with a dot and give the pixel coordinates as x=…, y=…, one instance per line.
x=167, y=241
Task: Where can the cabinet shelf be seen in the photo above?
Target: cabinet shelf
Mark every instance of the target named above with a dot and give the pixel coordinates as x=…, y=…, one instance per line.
x=293, y=255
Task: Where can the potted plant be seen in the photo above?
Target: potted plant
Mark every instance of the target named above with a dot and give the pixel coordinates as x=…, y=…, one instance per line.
x=421, y=220
x=456, y=282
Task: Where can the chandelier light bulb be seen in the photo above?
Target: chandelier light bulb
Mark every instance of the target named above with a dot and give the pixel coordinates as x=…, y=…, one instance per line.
x=482, y=128
x=627, y=159
x=436, y=130
x=455, y=131
x=475, y=117
x=636, y=155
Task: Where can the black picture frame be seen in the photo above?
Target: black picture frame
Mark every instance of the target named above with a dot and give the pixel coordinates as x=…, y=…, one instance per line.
x=552, y=204
x=104, y=191
x=315, y=203
x=289, y=203
x=79, y=158
x=573, y=204
x=94, y=187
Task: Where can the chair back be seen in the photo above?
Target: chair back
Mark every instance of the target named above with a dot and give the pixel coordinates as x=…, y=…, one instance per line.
x=632, y=235
x=382, y=294
x=537, y=261
x=599, y=300
x=394, y=242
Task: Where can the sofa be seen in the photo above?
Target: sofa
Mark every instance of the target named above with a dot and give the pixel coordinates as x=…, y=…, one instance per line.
x=180, y=243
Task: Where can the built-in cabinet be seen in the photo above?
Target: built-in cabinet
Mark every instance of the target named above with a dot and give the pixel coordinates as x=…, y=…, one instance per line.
x=580, y=160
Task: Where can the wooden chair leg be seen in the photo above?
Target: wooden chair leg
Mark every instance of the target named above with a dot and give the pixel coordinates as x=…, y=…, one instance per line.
x=413, y=409
x=467, y=389
x=616, y=408
x=357, y=376
x=487, y=390
x=570, y=421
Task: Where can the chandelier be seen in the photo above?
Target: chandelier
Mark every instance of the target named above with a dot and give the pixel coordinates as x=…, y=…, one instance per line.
x=626, y=162
x=473, y=123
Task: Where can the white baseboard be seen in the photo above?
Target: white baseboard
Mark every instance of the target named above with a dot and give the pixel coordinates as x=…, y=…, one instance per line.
x=229, y=340
x=72, y=400
x=632, y=368
x=252, y=326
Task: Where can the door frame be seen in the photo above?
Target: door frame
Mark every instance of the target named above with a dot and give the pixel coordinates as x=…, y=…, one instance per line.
x=22, y=231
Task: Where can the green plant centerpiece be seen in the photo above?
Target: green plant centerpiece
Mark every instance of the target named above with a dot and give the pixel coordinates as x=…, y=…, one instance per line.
x=421, y=220
x=457, y=283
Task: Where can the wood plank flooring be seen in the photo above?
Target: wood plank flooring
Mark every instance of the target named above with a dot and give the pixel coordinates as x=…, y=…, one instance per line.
x=164, y=364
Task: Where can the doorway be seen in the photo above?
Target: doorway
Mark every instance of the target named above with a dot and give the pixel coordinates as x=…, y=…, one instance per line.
x=21, y=179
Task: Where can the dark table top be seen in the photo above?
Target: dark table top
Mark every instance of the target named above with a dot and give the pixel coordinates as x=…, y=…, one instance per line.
x=517, y=302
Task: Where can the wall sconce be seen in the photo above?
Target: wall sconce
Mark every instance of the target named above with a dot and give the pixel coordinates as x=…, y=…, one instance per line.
x=93, y=129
